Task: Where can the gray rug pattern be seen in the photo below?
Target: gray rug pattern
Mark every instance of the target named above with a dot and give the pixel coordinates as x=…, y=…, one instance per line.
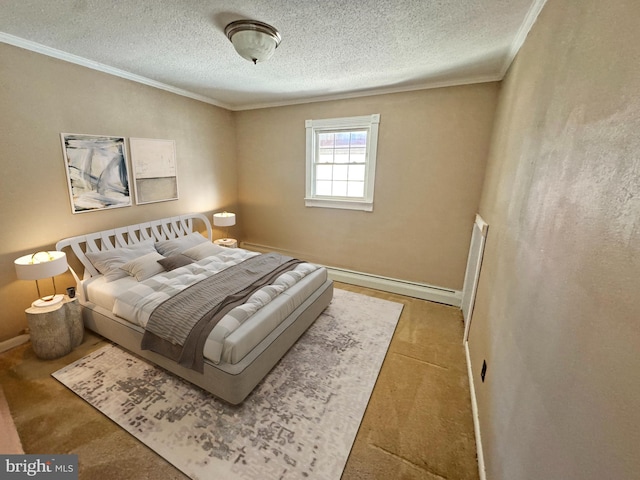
x=299, y=423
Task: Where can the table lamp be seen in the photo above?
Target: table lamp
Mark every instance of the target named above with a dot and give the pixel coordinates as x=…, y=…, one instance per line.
x=42, y=265
x=225, y=219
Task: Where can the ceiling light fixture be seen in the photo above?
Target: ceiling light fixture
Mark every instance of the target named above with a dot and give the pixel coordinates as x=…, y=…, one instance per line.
x=253, y=40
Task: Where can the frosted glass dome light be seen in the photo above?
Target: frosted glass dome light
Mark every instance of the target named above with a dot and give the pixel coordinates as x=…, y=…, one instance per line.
x=253, y=40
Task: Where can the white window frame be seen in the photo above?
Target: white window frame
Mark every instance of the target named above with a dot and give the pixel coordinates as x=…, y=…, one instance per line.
x=313, y=128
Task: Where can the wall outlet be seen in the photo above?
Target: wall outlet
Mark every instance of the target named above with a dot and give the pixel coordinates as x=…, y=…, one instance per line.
x=483, y=372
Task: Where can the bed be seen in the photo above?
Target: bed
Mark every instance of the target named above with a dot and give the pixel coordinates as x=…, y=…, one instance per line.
x=138, y=276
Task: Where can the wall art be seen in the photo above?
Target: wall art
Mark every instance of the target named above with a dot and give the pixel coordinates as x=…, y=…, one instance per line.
x=155, y=174
x=97, y=172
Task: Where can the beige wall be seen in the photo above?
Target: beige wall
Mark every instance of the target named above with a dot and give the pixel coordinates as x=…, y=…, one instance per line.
x=41, y=97
x=558, y=308
x=432, y=150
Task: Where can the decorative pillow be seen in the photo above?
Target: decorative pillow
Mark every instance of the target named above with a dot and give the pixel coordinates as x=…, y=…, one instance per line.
x=144, y=267
x=109, y=262
x=175, y=261
x=203, y=250
x=180, y=244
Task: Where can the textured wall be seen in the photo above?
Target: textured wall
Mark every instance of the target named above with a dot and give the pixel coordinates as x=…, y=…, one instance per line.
x=432, y=149
x=41, y=97
x=558, y=308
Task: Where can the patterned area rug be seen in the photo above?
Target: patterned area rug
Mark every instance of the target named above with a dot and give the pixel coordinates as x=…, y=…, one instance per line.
x=300, y=422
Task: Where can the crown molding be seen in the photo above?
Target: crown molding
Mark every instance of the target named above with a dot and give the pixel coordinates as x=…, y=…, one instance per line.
x=372, y=92
x=84, y=62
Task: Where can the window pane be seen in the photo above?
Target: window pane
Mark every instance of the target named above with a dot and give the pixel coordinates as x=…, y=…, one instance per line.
x=342, y=139
x=340, y=172
x=340, y=189
x=359, y=139
x=356, y=189
x=341, y=155
x=324, y=172
x=325, y=155
x=358, y=155
x=325, y=140
x=323, y=188
x=356, y=172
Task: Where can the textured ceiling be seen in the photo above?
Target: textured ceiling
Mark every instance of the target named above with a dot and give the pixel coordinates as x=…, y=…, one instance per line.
x=330, y=48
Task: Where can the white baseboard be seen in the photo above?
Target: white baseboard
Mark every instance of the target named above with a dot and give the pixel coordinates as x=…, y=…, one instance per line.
x=13, y=342
x=476, y=418
x=393, y=285
x=377, y=282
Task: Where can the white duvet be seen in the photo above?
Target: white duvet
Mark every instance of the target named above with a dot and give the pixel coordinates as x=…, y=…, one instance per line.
x=136, y=303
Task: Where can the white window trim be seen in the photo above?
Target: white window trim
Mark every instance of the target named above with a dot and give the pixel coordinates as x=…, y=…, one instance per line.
x=369, y=122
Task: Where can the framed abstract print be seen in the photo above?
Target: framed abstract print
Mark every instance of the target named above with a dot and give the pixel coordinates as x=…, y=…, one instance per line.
x=97, y=173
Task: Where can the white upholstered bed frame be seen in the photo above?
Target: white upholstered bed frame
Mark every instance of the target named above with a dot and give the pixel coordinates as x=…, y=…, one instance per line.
x=231, y=382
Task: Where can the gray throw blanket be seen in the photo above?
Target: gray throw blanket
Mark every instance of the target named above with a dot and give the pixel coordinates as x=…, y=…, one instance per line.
x=178, y=328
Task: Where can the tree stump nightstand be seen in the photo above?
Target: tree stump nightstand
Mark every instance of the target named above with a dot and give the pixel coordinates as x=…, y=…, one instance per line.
x=55, y=330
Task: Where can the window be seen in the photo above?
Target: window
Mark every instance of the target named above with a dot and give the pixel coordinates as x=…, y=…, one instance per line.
x=341, y=162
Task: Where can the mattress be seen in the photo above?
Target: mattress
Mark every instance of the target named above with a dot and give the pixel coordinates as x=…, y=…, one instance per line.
x=221, y=345
x=103, y=293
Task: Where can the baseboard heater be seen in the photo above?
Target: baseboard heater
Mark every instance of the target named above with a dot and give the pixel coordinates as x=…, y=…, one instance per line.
x=377, y=282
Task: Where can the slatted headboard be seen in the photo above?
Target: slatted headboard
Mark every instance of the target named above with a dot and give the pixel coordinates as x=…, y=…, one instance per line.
x=163, y=229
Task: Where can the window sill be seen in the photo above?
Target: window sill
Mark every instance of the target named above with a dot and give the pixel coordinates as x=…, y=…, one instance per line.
x=342, y=204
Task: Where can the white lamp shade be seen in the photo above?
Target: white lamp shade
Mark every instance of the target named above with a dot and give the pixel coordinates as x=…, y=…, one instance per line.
x=224, y=219
x=253, y=45
x=41, y=265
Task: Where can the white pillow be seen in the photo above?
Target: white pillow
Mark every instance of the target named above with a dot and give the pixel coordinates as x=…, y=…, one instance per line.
x=203, y=250
x=144, y=267
x=109, y=262
x=180, y=244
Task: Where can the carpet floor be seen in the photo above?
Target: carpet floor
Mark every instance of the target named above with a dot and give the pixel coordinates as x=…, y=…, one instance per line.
x=417, y=426
x=299, y=422
x=9, y=440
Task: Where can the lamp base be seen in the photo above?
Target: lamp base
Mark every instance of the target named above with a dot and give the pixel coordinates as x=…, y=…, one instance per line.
x=52, y=300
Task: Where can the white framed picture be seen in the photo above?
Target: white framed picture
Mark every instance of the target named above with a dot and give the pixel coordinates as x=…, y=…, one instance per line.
x=97, y=174
x=155, y=173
